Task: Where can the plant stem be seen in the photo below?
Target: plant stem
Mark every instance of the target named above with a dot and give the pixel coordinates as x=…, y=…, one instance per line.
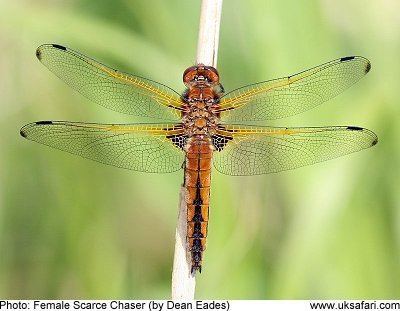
x=210, y=19
x=183, y=282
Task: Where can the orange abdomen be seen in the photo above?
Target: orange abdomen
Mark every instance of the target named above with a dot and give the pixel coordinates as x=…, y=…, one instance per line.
x=197, y=184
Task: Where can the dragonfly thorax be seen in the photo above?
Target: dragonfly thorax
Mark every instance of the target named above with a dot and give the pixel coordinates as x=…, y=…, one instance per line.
x=199, y=110
x=199, y=121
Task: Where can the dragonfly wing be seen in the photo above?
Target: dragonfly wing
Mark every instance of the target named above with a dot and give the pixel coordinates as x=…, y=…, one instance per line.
x=152, y=148
x=246, y=150
x=291, y=95
x=108, y=87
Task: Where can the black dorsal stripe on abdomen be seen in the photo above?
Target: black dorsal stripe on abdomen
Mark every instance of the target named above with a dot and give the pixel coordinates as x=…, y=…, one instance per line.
x=198, y=216
x=197, y=247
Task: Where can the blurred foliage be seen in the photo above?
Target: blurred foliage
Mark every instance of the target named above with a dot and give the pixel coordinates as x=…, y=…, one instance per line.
x=71, y=228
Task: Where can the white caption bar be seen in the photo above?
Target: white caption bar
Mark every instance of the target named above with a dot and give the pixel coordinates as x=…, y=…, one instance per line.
x=166, y=305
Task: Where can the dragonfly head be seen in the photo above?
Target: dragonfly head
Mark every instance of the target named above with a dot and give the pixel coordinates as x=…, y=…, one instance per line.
x=201, y=75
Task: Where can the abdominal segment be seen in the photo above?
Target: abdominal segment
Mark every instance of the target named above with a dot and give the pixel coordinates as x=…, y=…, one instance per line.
x=197, y=185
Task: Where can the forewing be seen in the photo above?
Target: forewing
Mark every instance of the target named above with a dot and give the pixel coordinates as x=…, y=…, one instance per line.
x=152, y=148
x=108, y=87
x=291, y=95
x=247, y=150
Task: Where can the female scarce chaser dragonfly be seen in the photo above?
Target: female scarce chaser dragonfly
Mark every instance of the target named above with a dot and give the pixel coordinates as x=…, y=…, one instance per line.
x=201, y=126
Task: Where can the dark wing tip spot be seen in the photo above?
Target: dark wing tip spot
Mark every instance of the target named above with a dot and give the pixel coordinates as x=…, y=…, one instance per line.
x=38, y=54
x=367, y=67
x=22, y=133
x=60, y=47
x=347, y=58
x=354, y=128
x=43, y=122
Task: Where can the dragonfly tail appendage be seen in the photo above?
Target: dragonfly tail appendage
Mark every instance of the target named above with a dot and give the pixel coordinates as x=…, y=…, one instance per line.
x=197, y=184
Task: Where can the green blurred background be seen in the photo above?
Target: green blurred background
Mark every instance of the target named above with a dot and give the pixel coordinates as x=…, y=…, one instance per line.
x=72, y=228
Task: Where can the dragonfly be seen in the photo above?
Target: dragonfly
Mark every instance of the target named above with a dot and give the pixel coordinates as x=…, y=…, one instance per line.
x=202, y=127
